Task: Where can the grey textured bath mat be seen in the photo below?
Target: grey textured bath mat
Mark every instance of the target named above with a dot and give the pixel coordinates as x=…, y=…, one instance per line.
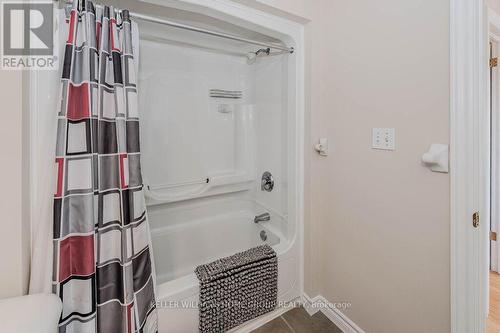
x=237, y=288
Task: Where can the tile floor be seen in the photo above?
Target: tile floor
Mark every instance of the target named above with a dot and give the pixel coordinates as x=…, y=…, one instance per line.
x=298, y=320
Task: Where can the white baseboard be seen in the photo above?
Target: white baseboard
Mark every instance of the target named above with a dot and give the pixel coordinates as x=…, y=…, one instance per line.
x=319, y=303
x=258, y=322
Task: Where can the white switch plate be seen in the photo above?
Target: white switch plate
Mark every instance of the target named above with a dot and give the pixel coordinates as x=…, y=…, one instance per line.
x=384, y=138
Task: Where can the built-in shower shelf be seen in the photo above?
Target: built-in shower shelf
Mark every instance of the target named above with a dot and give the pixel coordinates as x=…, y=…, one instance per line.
x=218, y=184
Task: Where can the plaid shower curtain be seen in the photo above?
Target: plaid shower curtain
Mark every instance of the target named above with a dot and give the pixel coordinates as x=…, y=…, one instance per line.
x=103, y=269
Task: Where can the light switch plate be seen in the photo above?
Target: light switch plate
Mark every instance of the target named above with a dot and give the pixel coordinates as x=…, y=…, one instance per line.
x=384, y=138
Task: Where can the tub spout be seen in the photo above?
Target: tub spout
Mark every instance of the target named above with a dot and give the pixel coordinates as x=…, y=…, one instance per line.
x=262, y=218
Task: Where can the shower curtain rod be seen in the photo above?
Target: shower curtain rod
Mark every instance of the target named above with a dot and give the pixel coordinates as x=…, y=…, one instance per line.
x=157, y=20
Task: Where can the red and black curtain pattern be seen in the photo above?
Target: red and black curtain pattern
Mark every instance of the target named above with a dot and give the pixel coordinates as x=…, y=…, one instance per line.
x=103, y=270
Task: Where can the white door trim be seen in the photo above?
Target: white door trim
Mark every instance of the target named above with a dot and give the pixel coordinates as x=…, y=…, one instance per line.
x=468, y=169
x=494, y=21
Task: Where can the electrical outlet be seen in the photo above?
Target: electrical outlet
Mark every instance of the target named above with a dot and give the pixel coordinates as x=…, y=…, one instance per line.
x=384, y=138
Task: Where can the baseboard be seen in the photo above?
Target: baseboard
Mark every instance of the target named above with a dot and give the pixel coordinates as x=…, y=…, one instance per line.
x=320, y=303
x=308, y=303
x=258, y=322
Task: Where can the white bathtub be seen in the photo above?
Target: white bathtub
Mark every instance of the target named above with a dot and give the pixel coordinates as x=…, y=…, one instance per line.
x=182, y=248
x=184, y=237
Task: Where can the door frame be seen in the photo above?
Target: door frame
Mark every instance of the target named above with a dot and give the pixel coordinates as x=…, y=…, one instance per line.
x=494, y=20
x=469, y=165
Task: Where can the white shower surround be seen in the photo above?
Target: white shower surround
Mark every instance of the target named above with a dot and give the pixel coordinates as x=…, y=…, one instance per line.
x=210, y=217
x=42, y=134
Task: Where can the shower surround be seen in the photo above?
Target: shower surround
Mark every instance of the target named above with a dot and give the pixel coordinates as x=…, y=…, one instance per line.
x=203, y=189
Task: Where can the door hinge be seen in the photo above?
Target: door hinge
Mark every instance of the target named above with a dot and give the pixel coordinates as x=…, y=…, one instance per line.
x=493, y=62
x=475, y=220
x=493, y=236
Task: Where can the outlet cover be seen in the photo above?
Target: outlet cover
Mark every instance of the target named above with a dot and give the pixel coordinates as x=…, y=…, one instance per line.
x=384, y=138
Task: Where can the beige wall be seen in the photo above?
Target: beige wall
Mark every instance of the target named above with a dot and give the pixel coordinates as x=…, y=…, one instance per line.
x=14, y=225
x=385, y=218
x=494, y=5
x=14, y=236
x=377, y=229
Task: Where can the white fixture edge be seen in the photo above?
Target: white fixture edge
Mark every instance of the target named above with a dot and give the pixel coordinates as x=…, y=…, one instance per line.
x=468, y=109
x=332, y=313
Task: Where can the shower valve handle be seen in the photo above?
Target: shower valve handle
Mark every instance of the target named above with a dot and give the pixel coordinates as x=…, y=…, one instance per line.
x=267, y=182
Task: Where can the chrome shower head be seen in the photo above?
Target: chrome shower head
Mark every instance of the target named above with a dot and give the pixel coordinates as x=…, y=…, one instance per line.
x=252, y=56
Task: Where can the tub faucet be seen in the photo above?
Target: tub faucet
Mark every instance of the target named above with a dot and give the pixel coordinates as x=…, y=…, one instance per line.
x=262, y=218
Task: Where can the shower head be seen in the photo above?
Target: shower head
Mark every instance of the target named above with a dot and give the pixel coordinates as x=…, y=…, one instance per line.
x=251, y=57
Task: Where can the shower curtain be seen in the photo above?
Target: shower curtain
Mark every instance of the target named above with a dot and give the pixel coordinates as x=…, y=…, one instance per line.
x=103, y=270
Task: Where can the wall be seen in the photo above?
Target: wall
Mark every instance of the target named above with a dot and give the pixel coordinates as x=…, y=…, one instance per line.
x=15, y=235
x=377, y=223
x=494, y=5
x=385, y=223
x=13, y=238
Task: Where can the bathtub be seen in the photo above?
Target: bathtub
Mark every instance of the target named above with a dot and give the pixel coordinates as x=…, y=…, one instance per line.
x=189, y=235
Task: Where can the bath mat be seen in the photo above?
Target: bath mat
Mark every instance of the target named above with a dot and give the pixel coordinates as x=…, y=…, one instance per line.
x=238, y=288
